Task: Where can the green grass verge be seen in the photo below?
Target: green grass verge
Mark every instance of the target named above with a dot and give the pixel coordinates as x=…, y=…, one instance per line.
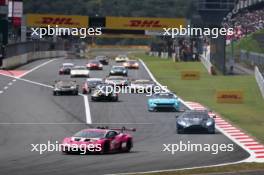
x=221, y=169
x=249, y=116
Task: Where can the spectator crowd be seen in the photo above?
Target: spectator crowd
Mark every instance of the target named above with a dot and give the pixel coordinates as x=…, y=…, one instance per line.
x=245, y=22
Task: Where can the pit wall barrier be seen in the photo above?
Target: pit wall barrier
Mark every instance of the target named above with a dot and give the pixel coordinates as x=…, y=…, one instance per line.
x=18, y=60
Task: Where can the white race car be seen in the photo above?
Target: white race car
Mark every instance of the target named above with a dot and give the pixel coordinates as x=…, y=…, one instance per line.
x=117, y=81
x=121, y=58
x=142, y=86
x=79, y=71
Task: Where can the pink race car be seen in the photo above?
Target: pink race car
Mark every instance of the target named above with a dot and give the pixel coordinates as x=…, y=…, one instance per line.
x=100, y=140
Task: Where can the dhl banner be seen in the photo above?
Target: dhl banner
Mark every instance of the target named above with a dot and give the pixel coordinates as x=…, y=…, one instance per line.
x=190, y=75
x=230, y=96
x=43, y=20
x=140, y=23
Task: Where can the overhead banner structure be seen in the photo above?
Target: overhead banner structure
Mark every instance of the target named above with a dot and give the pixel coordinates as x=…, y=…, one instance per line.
x=45, y=20
x=140, y=23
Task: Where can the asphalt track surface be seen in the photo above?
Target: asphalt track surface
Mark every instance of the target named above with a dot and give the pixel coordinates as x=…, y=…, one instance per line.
x=37, y=108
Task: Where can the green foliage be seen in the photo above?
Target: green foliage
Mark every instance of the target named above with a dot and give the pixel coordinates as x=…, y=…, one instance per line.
x=146, y=8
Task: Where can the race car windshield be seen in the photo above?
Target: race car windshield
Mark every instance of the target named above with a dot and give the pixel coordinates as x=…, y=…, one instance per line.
x=118, y=68
x=94, y=62
x=165, y=95
x=90, y=134
x=67, y=66
x=196, y=115
x=132, y=62
x=103, y=88
x=79, y=68
x=93, y=81
x=115, y=78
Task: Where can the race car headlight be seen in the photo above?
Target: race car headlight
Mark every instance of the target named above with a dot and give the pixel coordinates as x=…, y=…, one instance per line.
x=175, y=103
x=124, y=71
x=152, y=103
x=72, y=87
x=112, y=71
x=209, y=122
x=182, y=123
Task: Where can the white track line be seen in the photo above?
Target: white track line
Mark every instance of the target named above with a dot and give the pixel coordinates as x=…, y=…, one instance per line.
x=179, y=169
x=35, y=68
x=87, y=109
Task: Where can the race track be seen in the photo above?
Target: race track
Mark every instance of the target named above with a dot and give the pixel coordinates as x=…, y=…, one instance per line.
x=30, y=114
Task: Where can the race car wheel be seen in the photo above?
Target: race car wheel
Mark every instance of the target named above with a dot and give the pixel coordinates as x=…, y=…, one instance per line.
x=75, y=93
x=55, y=93
x=151, y=110
x=105, y=148
x=211, y=131
x=128, y=146
x=115, y=99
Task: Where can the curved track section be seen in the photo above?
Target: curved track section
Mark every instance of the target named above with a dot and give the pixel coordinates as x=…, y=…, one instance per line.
x=29, y=114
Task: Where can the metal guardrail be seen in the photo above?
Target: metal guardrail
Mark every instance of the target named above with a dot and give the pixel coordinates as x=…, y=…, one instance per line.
x=260, y=80
x=251, y=58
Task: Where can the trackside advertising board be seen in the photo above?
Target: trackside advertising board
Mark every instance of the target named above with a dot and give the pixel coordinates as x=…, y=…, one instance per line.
x=140, y=23
x=190, y=75
x=45, y=20
x=230, y=96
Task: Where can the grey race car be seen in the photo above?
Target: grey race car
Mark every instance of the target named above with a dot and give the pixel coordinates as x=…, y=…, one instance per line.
x=65, y=87
x=194, y=120
x=104, y=92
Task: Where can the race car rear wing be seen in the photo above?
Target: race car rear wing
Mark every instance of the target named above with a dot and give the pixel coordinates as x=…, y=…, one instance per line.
x=119, y=129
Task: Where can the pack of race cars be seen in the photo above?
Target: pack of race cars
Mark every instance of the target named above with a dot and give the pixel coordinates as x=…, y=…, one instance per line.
x=115, y=140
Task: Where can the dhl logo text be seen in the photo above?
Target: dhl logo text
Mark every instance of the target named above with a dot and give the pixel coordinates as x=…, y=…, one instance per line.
x=145, y=23
x=58, y=21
